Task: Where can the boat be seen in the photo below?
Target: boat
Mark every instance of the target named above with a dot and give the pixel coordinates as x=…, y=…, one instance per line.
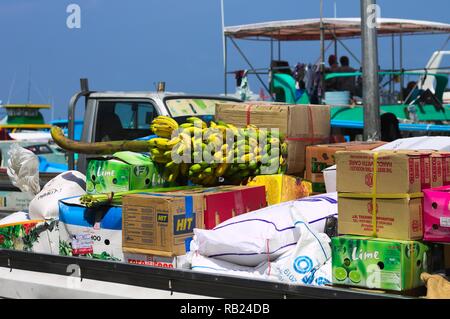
x=425, y=113
x=24, y=124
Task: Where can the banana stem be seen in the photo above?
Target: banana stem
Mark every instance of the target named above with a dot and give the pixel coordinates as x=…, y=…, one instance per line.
x=97, y=148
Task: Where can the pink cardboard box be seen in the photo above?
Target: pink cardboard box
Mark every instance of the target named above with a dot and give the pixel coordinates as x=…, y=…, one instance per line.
x=436, y=214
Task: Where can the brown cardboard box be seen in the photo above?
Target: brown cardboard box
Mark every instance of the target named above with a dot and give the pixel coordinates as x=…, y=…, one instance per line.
x=159, y=225
x=162, y=224
x=151, y=260
x=396, y=218
x=224, y=202
x=302, y=125
x=445, y=167
x=319, y=157
x=437, y=172
x=397, y=172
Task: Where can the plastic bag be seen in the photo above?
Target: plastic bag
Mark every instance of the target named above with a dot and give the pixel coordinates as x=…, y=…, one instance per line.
x=307, y=263
x=45, y=204
x=264, y=234
x=23, y=169
x=311, y=252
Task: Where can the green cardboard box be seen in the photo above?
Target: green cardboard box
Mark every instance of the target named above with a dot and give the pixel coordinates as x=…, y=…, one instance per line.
x=378, y=263
x=124, y=171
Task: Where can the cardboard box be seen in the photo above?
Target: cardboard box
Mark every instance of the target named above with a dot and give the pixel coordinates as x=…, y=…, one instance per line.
x=122, y=172
x=154, y=260
x=36, y=236
x=160, y=225
x=399, y=218
x=398, y=172
x=445, y=167
x=224, y=202
x=163, y=224
x=15, y=201
x=302, y=125
x=282, y=188
x=319, y=157
x=437, y=169
x=377, y=263
x=90, y=232
x=436, y=214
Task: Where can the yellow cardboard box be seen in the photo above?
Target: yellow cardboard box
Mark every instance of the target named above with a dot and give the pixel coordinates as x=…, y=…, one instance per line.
x=282, y=188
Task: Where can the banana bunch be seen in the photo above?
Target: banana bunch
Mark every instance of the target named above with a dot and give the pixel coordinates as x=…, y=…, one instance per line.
x=218, y=152
x=208, y=154
x=256, y=152
x=163, y=126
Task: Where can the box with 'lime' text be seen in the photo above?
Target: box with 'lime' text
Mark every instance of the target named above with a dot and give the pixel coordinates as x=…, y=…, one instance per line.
x=122, y=172
x=377, y=263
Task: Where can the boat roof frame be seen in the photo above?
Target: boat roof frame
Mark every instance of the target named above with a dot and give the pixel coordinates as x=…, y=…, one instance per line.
x=439, y=28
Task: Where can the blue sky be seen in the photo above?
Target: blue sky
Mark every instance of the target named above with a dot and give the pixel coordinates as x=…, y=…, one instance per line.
x=130, y=45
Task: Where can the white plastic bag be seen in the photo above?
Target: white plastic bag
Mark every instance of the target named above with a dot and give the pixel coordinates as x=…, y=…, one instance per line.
x=322, y=276
x=311, y=252
x=265, y=234
x=23, y=169
x=216, y=266
x=308, y=263
x=45, y=204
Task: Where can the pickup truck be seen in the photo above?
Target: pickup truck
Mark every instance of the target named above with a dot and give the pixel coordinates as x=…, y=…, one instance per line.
x=109, y=116
x=127, y=115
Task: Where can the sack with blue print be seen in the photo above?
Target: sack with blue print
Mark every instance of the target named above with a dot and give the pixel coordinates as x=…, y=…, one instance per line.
x=322, y=276
x=309, y=255
x=265, y=234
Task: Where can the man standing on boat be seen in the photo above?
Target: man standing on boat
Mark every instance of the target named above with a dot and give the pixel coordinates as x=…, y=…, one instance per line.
x=332, y=85
x=346, y=83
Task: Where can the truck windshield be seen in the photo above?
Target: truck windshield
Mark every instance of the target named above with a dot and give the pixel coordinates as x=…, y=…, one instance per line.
x=184, y=107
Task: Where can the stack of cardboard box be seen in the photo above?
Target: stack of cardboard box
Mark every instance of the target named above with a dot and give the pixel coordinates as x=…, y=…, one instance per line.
x=97, y=232
x=301, y=125
x=319, y=157
x=158, y=228
x=380, y=198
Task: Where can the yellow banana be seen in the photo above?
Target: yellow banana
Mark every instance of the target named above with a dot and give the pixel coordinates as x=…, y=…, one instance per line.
x=186, y=125
x=195, y=168
x=194, y=120
x=218, y=156
x=208, y=171
x=159, y=142
x=156, y=152
x=221, y=169
x=174, y=141
x=167, y=119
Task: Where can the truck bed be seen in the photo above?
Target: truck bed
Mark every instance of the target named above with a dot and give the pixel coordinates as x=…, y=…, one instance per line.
x=24, y=272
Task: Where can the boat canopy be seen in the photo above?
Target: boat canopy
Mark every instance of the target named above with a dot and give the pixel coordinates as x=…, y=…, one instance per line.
x=26, y=106
x=339, y=28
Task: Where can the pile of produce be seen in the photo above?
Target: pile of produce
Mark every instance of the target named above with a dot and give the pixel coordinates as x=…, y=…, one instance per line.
x=204, y=154
x=115, y=199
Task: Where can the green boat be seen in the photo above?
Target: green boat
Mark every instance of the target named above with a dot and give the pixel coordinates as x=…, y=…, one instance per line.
x=416, y=114
x=24, y=121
